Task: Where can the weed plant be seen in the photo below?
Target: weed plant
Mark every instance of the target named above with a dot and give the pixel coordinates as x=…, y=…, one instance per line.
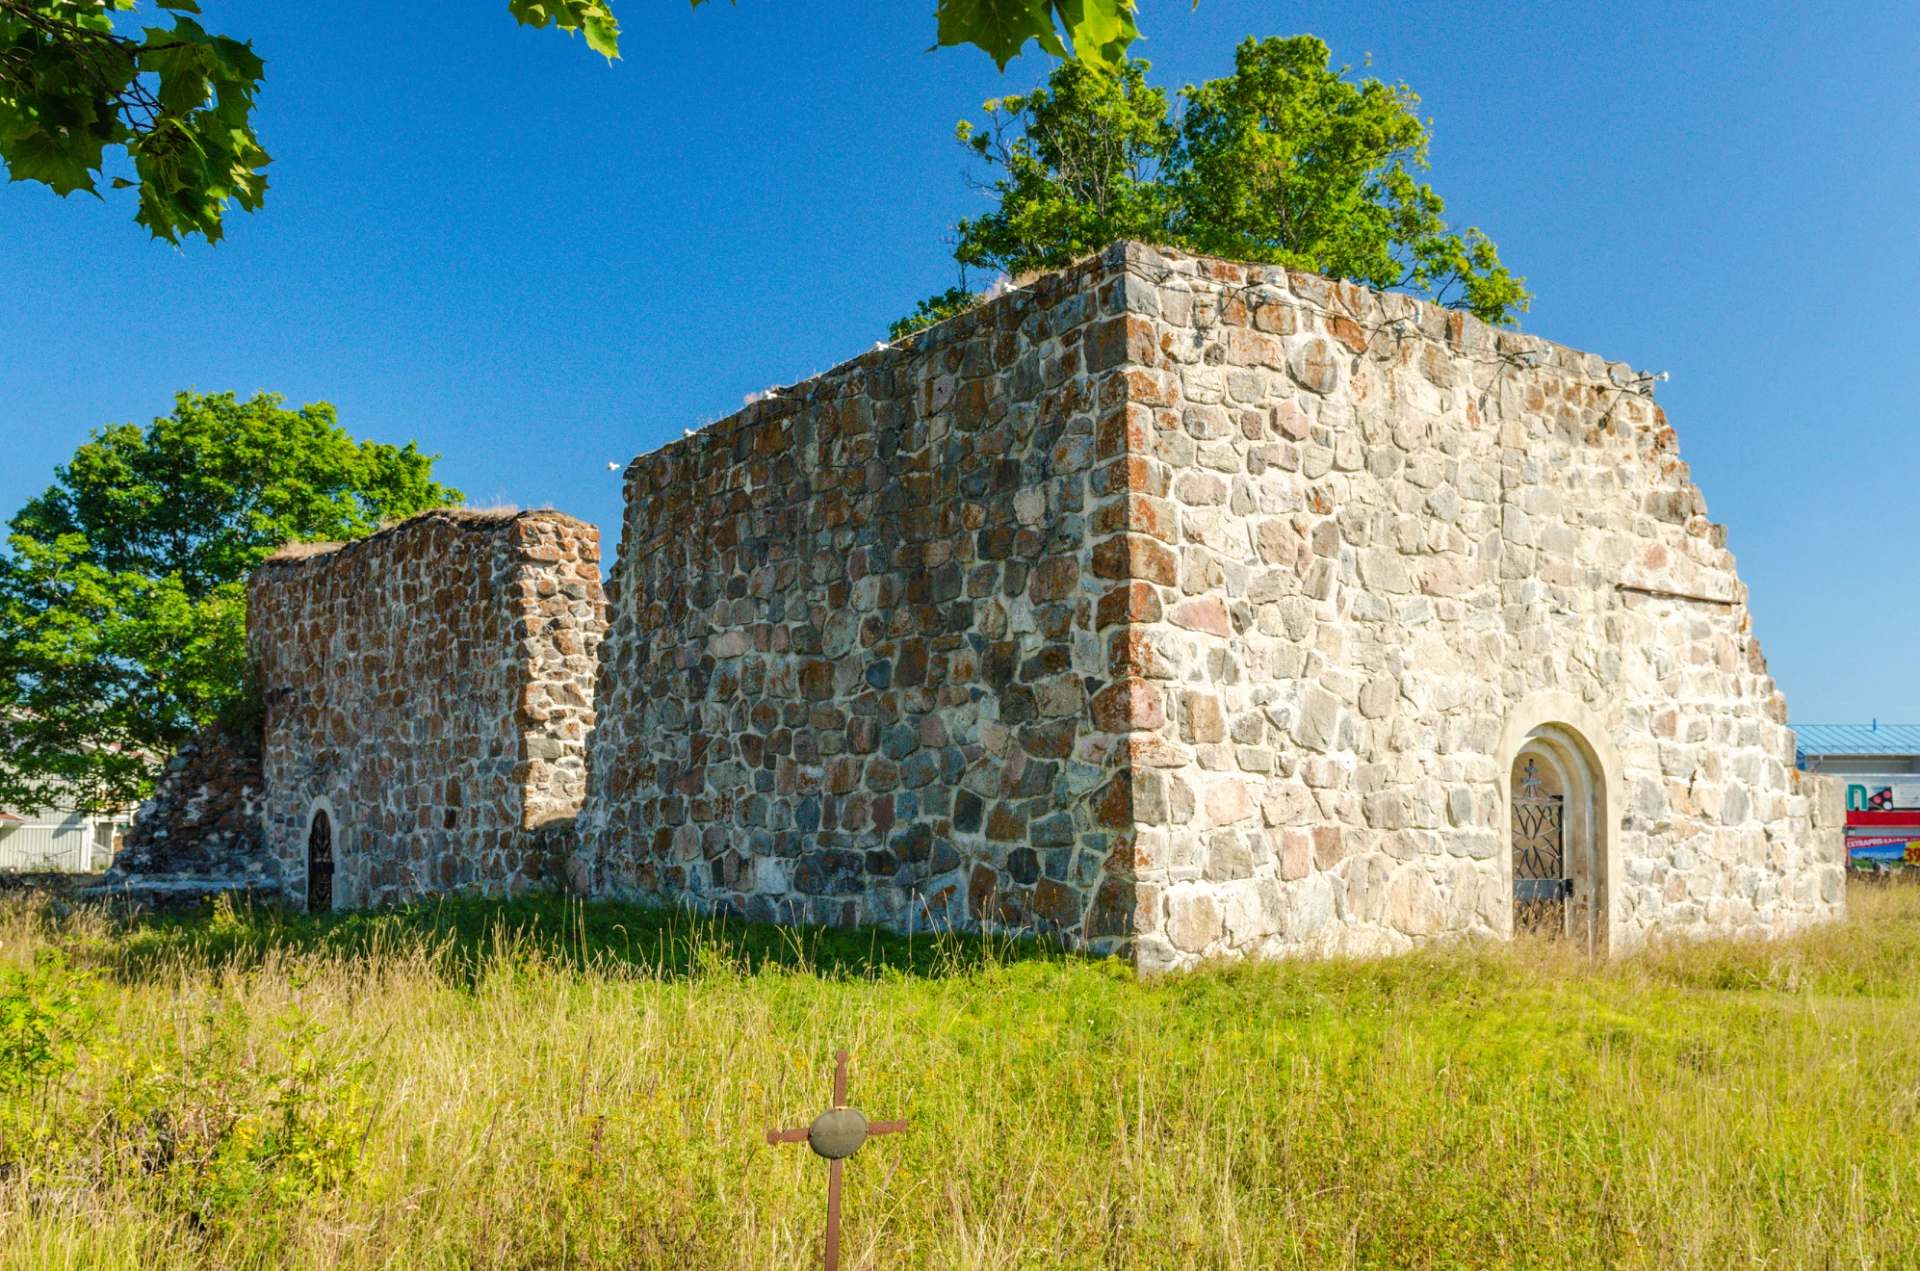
x=541, y=1084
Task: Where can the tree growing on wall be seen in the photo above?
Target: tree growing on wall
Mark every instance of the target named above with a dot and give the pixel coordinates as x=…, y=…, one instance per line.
x=1286, y=161
x=123, y=592
x=178, y=101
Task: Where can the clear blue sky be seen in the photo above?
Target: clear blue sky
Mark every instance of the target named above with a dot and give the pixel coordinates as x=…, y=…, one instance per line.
x=486, y=239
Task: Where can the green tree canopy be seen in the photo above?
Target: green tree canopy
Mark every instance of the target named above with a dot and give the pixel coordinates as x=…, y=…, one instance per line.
x=1286, y=161
x=179, y=101
x=123, y=595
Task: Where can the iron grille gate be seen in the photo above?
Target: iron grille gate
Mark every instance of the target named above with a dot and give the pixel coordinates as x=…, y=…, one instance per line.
x=320, y=865
x=1540, y=885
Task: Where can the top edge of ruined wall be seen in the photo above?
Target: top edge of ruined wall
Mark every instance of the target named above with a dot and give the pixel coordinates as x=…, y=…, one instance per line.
x=466, y=518
x=1165, y=264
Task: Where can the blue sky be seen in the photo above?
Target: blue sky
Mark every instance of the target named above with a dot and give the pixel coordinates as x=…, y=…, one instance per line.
x=486, y=239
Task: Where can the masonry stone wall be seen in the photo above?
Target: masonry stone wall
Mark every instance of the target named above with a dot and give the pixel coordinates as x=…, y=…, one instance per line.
x=1194, y=609
x=431, y=688
x=1371, y=531
x=204, y=819
x=853, y=667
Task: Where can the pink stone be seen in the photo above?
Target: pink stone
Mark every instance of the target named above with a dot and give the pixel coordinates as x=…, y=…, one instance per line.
x=1203, y=613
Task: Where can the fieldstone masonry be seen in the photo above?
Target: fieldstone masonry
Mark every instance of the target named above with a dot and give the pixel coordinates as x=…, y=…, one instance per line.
x=203, y=820
x=431, y=688
x=1182, y=606
x=1167, y=606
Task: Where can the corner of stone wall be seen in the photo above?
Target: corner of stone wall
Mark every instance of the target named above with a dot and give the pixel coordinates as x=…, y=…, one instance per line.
x=1826, y=835
x=559, y=620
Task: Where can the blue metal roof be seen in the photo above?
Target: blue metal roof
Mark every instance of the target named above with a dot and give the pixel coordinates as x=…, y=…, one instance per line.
x=1858, y=739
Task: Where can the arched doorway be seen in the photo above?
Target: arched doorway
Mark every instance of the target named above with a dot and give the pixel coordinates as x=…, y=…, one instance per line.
x=320, y=863
x=1556, y=819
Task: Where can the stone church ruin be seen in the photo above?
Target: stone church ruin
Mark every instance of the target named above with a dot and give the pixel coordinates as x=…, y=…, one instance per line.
x=1167, y=606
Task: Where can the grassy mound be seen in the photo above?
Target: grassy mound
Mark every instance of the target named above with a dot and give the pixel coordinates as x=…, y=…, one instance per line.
x=543, y=1084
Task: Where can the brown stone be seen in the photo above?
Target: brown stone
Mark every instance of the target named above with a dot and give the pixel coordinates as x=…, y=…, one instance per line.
x=1289, y=421
x=1131, y=602
x=1057, y=904
x=1007, y=823
x=983, y=891
x=1114, y=805
x=1329, y=846
x=1281, y=319
x=1112, y=911
x=1140, y=512
x=1201, y=719
x=1296, y=853
x=1127, y=705
x=1348, y=332
x=1151, y=750
x=1136, y=556
x=1130, y=653
x=1054, y=578
x=1126, y=338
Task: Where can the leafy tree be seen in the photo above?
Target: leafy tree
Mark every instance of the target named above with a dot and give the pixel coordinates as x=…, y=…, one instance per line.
x=123, y=598
x=1087, y=166
x=179, y=101
x=949, y=303
x=1286, y=161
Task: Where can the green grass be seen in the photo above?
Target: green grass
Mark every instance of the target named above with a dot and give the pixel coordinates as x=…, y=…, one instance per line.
x=541, y=1084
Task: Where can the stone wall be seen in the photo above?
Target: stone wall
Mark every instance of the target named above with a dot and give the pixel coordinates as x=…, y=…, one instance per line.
x=430, y=687
x=1194, y=608
x=204, y=819
x=852, y=673
x=1376, y=531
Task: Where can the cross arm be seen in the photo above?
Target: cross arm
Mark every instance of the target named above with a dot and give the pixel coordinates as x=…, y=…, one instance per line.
x=887, y=1127
x=787, y=1136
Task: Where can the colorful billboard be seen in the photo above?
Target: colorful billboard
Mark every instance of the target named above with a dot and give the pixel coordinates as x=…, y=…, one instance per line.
x=1863, y=849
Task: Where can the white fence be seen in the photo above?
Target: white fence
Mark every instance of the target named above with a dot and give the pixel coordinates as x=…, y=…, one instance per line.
x=67, y=845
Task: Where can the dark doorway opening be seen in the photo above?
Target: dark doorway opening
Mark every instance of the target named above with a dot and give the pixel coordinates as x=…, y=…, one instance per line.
x=320, y=865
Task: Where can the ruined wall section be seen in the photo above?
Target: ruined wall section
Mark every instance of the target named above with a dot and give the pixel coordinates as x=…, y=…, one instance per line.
x=431, y=686
x=853, y=673
x=204, y=819
x=1390, y=525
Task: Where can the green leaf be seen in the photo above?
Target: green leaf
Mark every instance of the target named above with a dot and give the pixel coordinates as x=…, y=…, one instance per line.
x=1101, y=30
x=1093, y=32
x=591, y=18
x=999, y=27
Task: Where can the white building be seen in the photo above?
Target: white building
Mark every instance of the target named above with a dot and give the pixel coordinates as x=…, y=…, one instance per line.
x=55, y=840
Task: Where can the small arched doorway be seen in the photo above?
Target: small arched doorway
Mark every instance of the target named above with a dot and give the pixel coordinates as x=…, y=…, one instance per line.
x=1556, y=820
x=320, y=863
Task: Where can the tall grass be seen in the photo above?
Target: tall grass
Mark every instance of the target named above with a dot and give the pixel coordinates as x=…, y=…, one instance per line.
x=545, y=1085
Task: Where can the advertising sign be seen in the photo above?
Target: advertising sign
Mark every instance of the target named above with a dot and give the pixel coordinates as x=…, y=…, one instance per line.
x=1883, y=794
x=1866, y=848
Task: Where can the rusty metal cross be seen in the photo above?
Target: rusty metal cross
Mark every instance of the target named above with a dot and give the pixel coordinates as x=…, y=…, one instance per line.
x=836, y=1134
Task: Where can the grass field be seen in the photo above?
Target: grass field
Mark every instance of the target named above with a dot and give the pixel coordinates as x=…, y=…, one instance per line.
x=539, y=1084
